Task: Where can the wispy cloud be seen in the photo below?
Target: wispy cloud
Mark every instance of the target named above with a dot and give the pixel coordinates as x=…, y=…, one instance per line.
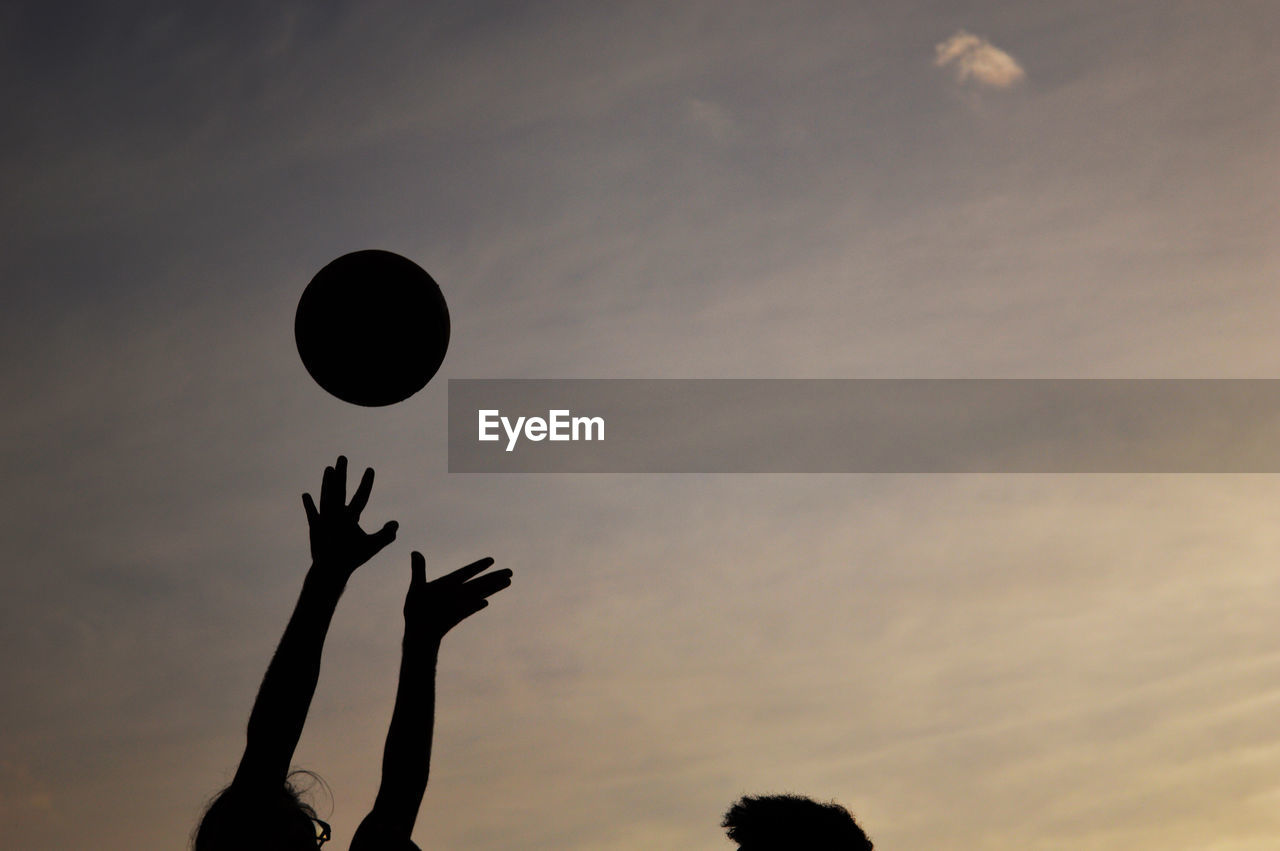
x=977, y=59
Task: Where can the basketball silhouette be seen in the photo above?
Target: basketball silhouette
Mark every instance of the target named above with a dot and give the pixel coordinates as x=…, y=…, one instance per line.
x=372, y=328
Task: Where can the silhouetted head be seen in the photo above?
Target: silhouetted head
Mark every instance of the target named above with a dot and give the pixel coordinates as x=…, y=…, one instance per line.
x=789, y=822
x=238, y=820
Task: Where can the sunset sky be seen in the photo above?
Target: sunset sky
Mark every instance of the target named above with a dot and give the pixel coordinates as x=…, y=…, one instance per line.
x=906, y=189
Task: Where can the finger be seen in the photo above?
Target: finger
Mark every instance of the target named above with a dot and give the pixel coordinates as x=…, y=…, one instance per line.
x=490, y=583
x=474, y=607
x=340, y=480
x=326, y=491
x=418, y=567
x=462, y=574
x=463, y=610
x=379, y=539
x=361, y=496
x=310, y=506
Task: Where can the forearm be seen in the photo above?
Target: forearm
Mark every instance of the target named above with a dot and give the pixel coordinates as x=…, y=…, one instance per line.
x=280, y=710
x=406, y=758
x=431, y=609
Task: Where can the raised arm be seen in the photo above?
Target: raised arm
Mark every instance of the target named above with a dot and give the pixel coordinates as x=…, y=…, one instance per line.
x=338, y=547
x=431, y=609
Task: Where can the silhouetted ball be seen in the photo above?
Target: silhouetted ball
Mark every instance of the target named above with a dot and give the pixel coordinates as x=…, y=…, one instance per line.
x=372, y=328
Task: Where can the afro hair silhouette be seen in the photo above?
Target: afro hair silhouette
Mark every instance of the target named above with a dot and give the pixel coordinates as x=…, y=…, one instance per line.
x=788, y=822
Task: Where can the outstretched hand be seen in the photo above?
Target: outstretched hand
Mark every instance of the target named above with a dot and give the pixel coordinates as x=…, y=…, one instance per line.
x=338, y=544
x=433, y=608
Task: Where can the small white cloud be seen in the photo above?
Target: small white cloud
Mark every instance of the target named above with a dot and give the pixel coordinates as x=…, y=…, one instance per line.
x=978, y=59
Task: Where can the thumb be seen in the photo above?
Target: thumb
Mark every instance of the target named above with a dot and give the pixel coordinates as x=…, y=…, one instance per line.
x=418, y=567
x=383, y=536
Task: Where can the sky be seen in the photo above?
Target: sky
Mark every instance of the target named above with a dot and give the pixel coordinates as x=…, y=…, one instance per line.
x=904, y=189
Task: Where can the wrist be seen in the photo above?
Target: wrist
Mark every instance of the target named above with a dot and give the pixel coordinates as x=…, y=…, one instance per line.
x=422, y=642
x=326, y=579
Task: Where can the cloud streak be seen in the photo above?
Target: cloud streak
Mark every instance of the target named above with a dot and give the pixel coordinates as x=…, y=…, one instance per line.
x=975, y=58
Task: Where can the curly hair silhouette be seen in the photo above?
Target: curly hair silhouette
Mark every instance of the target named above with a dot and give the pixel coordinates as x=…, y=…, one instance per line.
x=788, y=822
x=278, y=821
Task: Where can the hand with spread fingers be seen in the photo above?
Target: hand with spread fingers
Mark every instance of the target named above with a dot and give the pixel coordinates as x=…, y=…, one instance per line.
x=433, y=608
x=338, y=544
x=261, y=805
